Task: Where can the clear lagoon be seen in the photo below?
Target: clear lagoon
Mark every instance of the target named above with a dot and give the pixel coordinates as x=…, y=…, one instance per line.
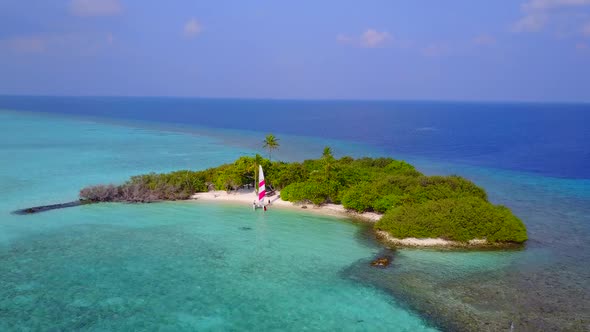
x=195, y=266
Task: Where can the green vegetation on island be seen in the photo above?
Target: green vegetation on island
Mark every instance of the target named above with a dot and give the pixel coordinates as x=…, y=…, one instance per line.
x=413, y=204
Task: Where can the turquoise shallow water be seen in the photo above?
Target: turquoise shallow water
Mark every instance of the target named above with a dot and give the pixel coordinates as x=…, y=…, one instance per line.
x=187, y=266
x=191, y=267
x=166, y=266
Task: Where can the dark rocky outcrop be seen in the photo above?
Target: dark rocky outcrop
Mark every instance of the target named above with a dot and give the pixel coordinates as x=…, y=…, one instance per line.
x=381, y=262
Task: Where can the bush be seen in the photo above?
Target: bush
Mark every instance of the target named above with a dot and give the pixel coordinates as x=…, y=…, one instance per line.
x=387, y=202
x=428, y=188
x=133, y=193
x=359, y=198
x=458, y=219
x=283, y=174
x=311, y=191
x=377, y=195
x=402, y=168
x=100, y=193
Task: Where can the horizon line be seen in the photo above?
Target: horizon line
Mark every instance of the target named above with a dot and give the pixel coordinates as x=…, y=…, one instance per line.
x=475, y=101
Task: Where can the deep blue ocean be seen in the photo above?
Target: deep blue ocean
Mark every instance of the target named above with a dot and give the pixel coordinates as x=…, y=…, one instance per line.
x=547, y=139
x=195, y=266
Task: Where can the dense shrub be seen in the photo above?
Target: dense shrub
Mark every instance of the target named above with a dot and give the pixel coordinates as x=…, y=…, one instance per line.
x=387, y=202
x=402, y=168
x=283, y=174
x=133, y=192
x=100, y=193
x=360, y=197
x=311, y=191
x=430, y=188
x=378, y=195
x=458, y=219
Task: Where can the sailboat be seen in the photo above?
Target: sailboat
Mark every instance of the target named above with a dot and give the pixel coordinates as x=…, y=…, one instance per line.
x=261, y=189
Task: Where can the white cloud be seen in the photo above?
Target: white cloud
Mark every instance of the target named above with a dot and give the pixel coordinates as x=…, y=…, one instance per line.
x=371, y=38
x=537, y=13
x=95, y=7
x=192, y=28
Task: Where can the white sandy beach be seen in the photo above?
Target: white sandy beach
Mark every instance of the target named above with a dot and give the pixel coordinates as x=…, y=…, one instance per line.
x=247, y=196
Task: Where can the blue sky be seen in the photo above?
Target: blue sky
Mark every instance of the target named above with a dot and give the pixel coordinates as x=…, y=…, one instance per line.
x=537, y=50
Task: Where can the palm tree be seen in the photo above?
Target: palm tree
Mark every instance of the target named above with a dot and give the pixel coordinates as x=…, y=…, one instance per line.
x=271, y=143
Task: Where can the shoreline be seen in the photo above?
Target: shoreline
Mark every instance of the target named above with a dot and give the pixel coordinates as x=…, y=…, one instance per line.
x=247, y=196
x=412, y=242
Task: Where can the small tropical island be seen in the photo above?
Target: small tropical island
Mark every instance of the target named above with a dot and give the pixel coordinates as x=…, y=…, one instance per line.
x=413, y=209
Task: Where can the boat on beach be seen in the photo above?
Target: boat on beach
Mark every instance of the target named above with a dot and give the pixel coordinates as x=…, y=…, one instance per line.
x=260, y=192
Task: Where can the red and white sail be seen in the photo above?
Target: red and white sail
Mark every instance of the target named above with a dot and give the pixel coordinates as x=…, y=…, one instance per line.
x=261, y=186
